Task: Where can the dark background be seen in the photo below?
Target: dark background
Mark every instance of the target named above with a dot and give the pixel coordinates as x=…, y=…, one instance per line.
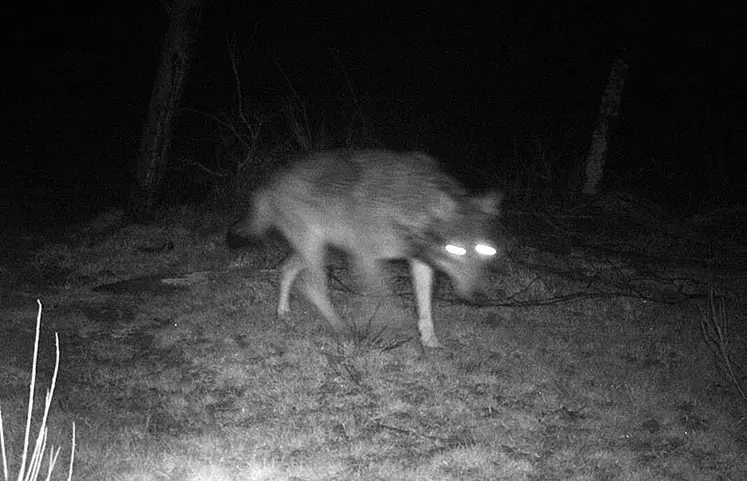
x=469, y=83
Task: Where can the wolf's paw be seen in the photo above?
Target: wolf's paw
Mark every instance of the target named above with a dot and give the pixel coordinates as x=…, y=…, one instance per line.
x=432, y=342
x=284, y=314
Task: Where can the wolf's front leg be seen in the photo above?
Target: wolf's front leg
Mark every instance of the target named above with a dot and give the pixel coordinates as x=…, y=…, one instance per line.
x=422, y=279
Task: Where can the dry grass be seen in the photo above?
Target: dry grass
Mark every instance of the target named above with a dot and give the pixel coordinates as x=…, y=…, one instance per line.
x=29, y=468
x=203, y=383
x=718, y=334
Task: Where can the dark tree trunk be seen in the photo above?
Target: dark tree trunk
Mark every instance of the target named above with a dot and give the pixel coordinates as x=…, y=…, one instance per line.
x=163, y=110
x=609, y=108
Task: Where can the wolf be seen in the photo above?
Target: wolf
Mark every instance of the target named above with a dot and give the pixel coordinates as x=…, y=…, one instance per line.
x=374, y=205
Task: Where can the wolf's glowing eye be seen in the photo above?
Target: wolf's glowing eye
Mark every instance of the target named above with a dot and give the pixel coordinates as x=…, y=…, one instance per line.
x=456, y=250
x=485, y=250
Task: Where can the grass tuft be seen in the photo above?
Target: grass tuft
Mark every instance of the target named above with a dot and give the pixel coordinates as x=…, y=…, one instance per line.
x=30, y=468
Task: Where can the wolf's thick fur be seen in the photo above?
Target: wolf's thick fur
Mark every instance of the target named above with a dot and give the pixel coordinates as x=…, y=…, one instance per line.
x=374, y=205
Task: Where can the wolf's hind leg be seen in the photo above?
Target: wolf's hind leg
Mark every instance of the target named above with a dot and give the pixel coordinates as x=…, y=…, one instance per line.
x=317, y=292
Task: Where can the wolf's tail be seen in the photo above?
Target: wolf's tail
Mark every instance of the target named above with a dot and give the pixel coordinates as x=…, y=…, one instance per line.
x=247, y=231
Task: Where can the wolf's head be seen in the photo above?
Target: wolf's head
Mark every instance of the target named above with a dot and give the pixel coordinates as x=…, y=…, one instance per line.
x=460, y=242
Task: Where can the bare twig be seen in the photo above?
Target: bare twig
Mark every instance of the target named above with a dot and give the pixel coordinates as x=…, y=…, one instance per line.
x=300, y=128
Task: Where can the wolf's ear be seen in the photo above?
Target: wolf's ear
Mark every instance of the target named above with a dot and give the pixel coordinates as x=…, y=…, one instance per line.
x=489, y=203
x=445, y=207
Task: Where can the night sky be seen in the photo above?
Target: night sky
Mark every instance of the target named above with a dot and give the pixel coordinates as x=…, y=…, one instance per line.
x=465, y=83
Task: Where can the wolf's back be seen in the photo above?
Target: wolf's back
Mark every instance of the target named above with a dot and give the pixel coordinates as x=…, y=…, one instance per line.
x=407, y=189
x=350, y=190
x=403, y=189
